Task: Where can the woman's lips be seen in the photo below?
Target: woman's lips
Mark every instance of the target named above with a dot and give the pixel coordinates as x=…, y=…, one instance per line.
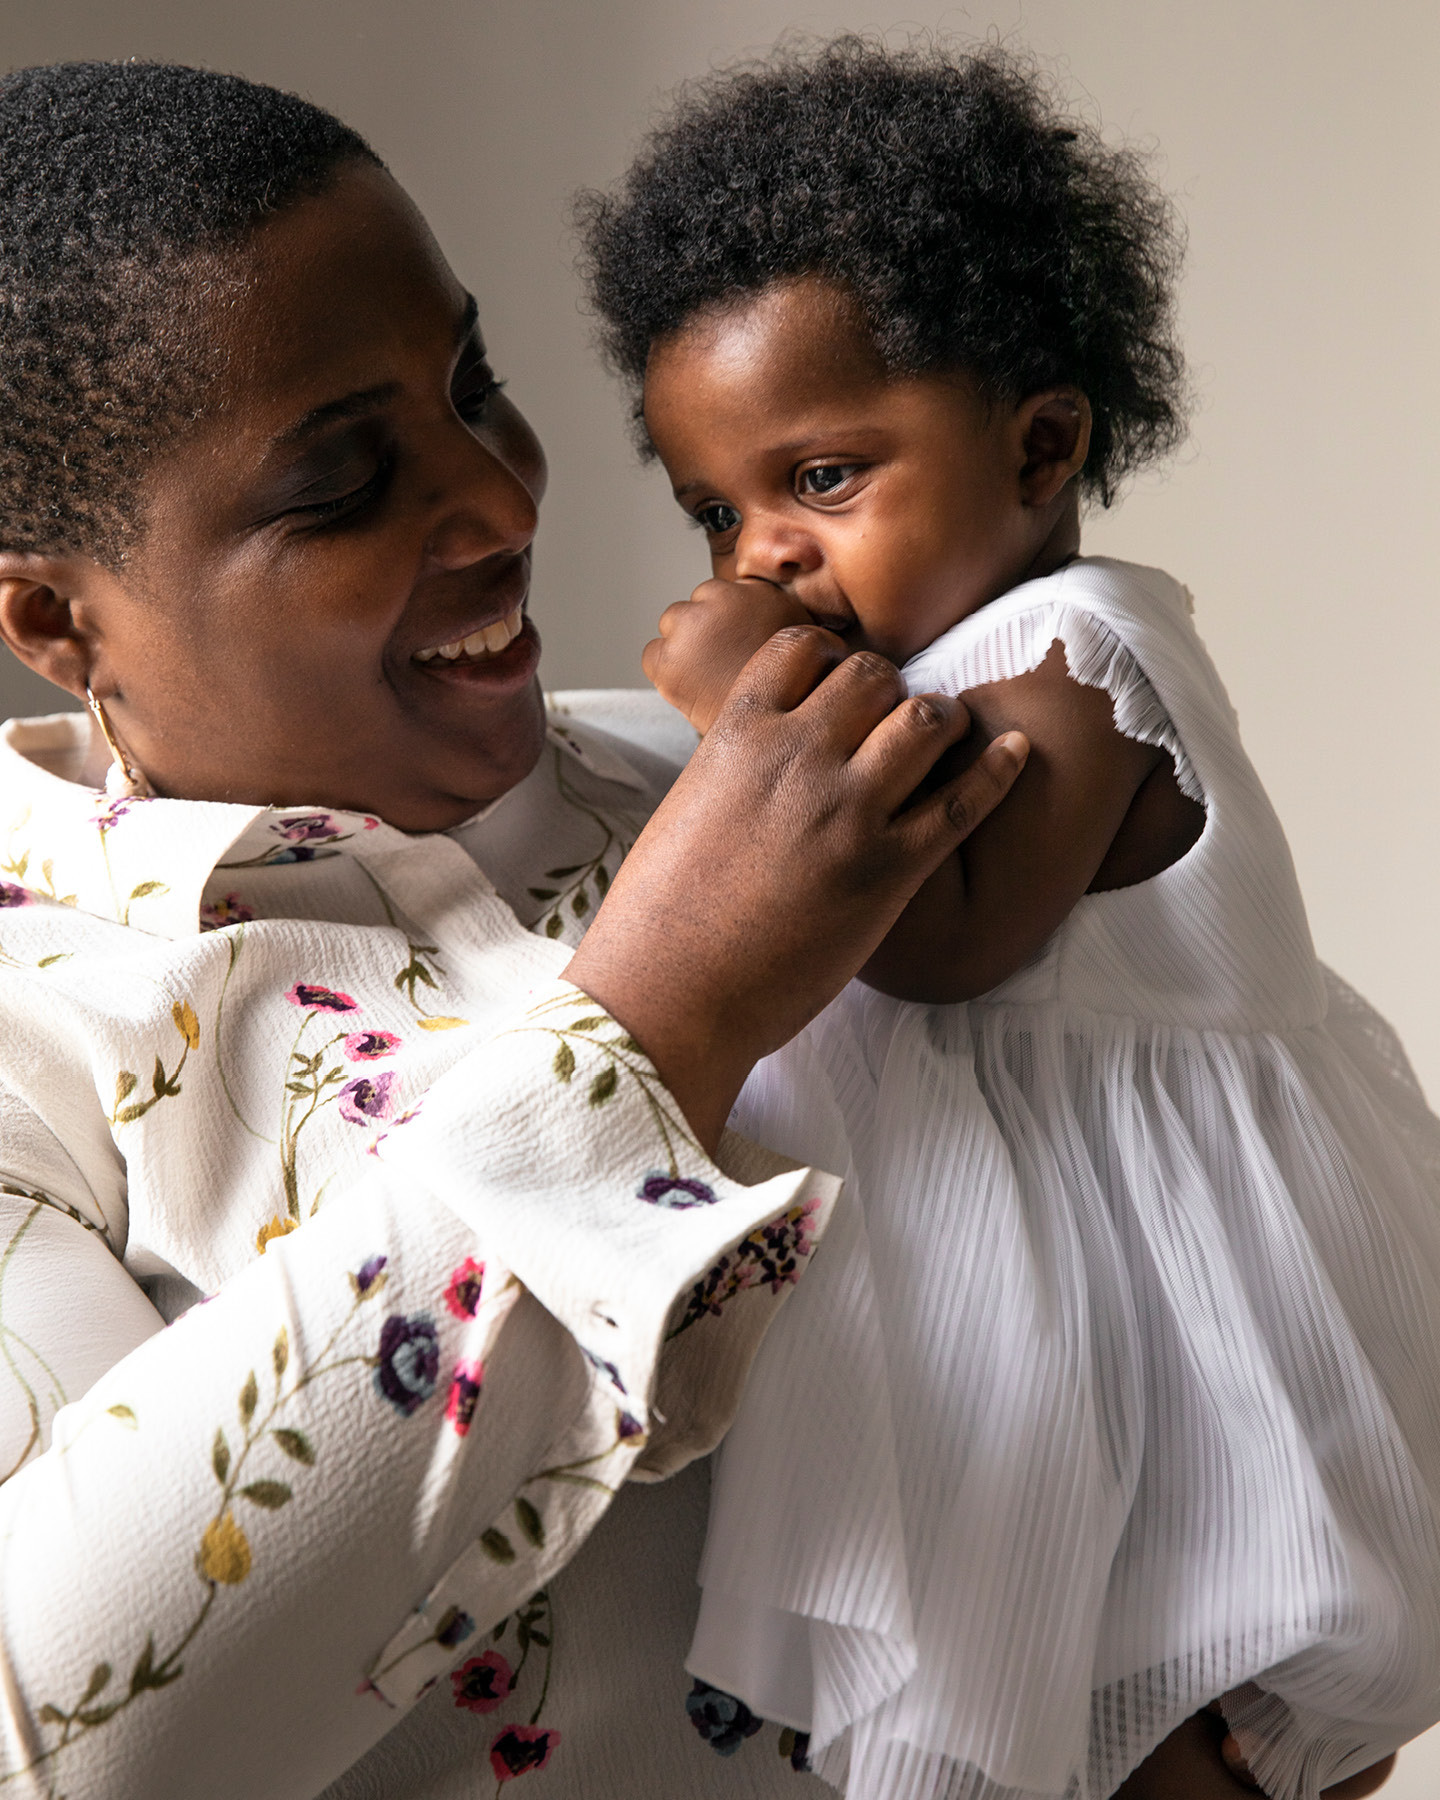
x=490, y=640
x=512, y=666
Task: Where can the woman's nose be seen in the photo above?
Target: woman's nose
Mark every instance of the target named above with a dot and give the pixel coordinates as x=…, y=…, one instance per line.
x=490, y=505
x=775, y=550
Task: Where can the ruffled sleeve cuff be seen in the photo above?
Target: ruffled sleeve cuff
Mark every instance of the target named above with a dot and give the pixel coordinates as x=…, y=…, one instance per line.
x=556, y=1141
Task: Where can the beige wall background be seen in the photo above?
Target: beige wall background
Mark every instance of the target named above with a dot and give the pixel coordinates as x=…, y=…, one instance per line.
x=1300, y=140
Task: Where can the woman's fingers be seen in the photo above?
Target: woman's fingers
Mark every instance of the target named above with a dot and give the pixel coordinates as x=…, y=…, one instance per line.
x=786, y=669
x=904, y=744
x=944, y=819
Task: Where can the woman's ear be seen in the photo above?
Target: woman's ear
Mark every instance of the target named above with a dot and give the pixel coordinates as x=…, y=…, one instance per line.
x=41, y=613
x=1055, y=435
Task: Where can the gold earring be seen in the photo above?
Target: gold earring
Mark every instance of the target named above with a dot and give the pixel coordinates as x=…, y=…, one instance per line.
x=122, y=778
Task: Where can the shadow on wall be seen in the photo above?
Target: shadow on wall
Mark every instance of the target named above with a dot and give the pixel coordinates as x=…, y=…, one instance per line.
x=23, y=694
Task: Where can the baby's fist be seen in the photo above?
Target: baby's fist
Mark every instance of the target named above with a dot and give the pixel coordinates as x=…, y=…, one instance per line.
x=707, y=640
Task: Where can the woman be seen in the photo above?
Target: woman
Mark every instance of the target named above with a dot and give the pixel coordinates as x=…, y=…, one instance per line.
x=265, y=506
x=276, y=1031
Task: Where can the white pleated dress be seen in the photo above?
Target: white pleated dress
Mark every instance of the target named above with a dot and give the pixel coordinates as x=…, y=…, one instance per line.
x=1117, y=1386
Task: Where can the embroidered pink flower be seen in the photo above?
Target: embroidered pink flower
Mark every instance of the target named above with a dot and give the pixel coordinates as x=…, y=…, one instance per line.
x=481, y=1684
x=370, y=1046
x=465, y=1386
x=320, y=999
x=229, y=909
x=462, y=1293
x=307, y=828
x=520, y=1748
x=368, y=1099
x=11, y=895
x=370, y=824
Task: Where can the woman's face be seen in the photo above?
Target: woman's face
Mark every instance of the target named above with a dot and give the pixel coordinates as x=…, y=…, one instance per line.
x=358, y=495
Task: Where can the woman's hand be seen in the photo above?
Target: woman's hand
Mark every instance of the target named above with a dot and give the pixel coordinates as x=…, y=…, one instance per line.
x=706, y=641
x=778, y=861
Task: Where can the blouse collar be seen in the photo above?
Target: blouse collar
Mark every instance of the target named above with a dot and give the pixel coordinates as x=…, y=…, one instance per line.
x=145, y=862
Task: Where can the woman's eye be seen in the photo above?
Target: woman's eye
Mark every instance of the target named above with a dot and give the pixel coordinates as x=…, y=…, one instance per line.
x=347, y=504
x=826, y=478
x=718, y=519
x=472, y=398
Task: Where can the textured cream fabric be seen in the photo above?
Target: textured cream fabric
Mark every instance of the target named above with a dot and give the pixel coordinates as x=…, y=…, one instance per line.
x=450, y=1233
x=1116, y=1390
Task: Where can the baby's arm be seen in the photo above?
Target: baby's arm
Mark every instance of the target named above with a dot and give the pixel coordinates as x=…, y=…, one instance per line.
x=1093, y=809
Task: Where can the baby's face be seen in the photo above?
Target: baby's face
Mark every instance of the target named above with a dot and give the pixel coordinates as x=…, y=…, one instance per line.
x=889, y=507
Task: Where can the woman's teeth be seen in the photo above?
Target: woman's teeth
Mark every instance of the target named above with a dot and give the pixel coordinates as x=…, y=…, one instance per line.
x=485, y=642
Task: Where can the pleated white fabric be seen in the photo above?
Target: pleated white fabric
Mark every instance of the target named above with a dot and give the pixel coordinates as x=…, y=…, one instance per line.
x=1117, y=1387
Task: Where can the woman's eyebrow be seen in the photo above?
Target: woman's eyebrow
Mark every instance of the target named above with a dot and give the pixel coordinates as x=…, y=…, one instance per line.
x=363, y=400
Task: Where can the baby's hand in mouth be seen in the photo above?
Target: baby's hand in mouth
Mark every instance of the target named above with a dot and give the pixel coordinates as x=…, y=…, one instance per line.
x=707, y=640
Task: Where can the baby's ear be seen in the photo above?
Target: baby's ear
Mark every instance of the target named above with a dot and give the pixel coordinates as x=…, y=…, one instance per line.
x=1055, y=435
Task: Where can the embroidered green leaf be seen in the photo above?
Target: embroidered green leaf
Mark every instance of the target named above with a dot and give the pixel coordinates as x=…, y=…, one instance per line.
x=20, y=865
x=564, y=1062
x=499, y=1631
x=249, y=1394
x=51, y=1715
x=127, y=1115
x=220, y=1457
x=145, y=1675
x=125, y=1415
x=602, y=1088
x=97, y=1715
x=280, y=1355
x=296, y=1444
x=628, y=1043
x=560, y=874
x=541, y=1638
x=591, y=1022
x=145, y=888
x=522, y=1631
x=531, y=1524
x=601, y=879
x=124, y=1087
x=542, y=893
x=159, y=1081
x=580, y=905
x=269, y=1494
x=553, y=927
x=99, y=1676
x=48, y=962
x=496, y=1545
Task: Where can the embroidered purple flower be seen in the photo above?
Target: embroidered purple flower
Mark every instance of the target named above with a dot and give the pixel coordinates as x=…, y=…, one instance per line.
x=628, y=1427
x=677, y=1192
x=605, y=1368
x=307, y=828
x=370, y=1046
x=465, y=1386
x=408, y=1364
x=315, y=998
x=11, y=895
x=463, y=1290
x=368, y=1099
x=229, y=909
x=483, y=1683
x=723, y=1721
x=454, y=1628
x=113, y=811
x=369, y=1278
x=520, y=1748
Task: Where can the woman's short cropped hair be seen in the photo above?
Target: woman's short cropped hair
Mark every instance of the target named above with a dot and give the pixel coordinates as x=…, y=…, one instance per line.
x=114, y=178
x=976, y=223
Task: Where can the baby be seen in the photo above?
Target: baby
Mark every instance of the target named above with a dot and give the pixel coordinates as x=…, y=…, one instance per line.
x=1114, y=1396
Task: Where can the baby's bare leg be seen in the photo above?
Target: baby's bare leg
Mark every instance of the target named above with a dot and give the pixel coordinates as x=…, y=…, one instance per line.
x=1189, y=1766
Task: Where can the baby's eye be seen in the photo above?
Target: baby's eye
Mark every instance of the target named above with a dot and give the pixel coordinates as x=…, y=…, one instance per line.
x=825, y=478
x=718, y=518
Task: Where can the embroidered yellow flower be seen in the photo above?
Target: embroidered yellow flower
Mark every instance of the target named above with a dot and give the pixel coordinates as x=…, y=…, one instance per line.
x=276, y=1228
x=186, y=1023
x=224, y=1551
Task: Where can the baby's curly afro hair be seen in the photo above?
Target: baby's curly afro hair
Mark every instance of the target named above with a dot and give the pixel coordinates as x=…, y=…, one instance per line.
x=977, y=226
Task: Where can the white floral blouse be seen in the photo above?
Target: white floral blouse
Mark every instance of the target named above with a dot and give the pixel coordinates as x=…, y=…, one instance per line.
x=349, y=1262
